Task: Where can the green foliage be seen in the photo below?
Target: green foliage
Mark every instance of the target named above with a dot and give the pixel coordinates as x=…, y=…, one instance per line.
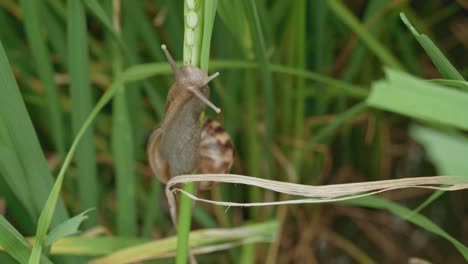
x=443, y=65
x=300, y=88
x=67, y=228
x=410, y=96
x=407, y=214
x=14, y=243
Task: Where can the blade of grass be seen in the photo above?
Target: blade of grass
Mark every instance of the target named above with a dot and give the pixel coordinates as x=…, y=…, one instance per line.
x=55, y=34
x=13, y=174
x=82, y=101
x=374, y=45
x=123, y=148
x=462, y=85
x=123, y=152
x=407, y=214
x=252, y=142
x=67, y=228
x=267, y=82
x=359, y=52
x=420, y=99
x=440, y=61
x=198, y=238
x=45, y=71
x=14, y=243
x=26, y=145
x=100, y=14
x=153, y=217
x=299, y=111
x=446, y=151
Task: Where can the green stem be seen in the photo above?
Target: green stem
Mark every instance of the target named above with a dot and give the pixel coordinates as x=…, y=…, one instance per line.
x=199, y=17
x=185, y=219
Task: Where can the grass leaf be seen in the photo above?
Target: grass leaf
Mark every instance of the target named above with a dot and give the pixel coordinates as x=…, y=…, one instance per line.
x=14, y=243
x=416, y=98
x=22, y=136
x=407, y=214
x=440, y=61
x=67, y=228
x=45, y=70
x=82, y=101
x=342, y=12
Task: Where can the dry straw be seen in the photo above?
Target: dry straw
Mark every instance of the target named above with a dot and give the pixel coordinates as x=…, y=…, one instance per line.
x=313, y=194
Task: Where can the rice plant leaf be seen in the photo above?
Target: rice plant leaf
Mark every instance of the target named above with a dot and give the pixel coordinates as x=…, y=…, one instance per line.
x=67, y=228
x=349, y=19
x=209, y=15
x=409, y=215
x=123, y=153
x=260, y=46
x=233, y=17
x=462, y=85
x=199, y=238
x=82, y=102
x=22, y=136
x=416, y=98
x=101, y=15
x=45, y=71
x=446, y=151
x=14, y=243
x=440, y=61
x=13, y=174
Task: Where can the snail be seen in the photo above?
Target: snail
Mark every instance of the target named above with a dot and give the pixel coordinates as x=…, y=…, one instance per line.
x=180, y=146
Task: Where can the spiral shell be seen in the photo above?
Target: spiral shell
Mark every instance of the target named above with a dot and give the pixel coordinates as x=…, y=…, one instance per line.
x=216, y=151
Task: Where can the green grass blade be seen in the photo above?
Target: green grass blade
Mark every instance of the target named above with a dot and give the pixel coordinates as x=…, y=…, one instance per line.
x=208, y=21
x=374, y=45
x=153, y=217
x=420, y=99
x=82, y=101
x=354, y=91
x=407, y=214
x=446, y=151
x=67, y=228
x=267, y=80
x=101, y=15
x=358, y=55
x=123, y=152
x=462, y=85
x=45, y=71
x=14, y=243
x=13, y=174
x=123, y=148
x=198, y=238
x=22, y=135
x=440, y=61
x=299, y=15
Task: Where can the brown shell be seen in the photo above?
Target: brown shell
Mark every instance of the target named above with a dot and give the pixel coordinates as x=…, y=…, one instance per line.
x=216, y=152
x=159, y=165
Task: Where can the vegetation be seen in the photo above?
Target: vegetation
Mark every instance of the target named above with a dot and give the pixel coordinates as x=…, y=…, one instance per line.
x=312, y=92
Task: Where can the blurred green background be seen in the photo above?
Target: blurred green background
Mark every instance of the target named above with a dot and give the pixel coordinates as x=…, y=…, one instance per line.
x=293, y=88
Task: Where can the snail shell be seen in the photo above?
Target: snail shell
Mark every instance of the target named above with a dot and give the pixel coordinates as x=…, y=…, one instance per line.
x=216, y=152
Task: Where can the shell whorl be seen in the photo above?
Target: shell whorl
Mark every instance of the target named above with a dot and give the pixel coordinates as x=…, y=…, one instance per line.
x=216, y=151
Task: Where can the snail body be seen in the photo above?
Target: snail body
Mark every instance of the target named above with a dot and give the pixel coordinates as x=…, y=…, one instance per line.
x=174, y=148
